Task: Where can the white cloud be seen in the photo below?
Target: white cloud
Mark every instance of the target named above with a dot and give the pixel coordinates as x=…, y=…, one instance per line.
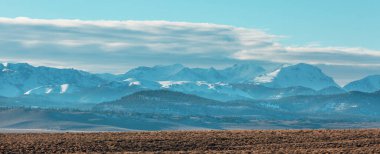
x=313, y=55
x=115, y=46
x=126, y=42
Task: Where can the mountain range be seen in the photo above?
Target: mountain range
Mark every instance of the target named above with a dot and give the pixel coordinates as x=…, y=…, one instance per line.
x=177, y=103
x=178, y=97
x=238, y=82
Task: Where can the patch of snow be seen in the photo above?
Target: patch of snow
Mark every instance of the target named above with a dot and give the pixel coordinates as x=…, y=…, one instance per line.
x=210, y=86
x=48, y=90
x=132, y=82
x=129, y=80
x=135, y=83
x=221, y=84
x=64, y=88
x=280, y=95
x=6, y=70
x=268, y=77
x=168, y=84
x=341, y=107
x=30, y=91
x=268, y=105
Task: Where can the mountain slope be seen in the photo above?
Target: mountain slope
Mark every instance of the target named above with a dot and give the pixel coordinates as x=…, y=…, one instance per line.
x=236, y=74
x=217, y=91
x=160, y=101
x=296, y=75
x=355, y=103
x=367, y=84
x=155, y=73
x=240, y=73
x=22, y=78
x=197, y=74
x=331, y=91
x=260, y=92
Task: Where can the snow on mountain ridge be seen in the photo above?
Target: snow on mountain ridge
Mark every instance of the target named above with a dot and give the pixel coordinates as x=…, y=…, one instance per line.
x=296, y=75
x=237, y=73
x=64, y=88
x=31, y=90
x=23, y=78
x=168, y=84
x=206, y=82
x=132, y=82
x=5, y=64
x=268, y=77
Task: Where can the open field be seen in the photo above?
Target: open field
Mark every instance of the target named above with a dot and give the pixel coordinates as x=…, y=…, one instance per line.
x=260, y=141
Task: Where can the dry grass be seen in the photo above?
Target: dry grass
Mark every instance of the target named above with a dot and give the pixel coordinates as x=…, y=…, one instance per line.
x=256, y=141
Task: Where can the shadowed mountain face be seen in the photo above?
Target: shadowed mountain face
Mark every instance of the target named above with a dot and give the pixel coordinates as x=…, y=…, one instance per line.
x=367, y=84
x=352, y=103
x=240, y=73
x=161, y=96
x=156, y=73
x=236, y=74
x=163, y=101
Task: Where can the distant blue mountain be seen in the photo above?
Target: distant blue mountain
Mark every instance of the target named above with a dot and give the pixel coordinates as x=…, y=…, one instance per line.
x=239, y=82
x=236, y=74
x=171, y=110
x=165, y=102
x=170, y=102
x=367, y=84
x=352, y=103
x=155, y=73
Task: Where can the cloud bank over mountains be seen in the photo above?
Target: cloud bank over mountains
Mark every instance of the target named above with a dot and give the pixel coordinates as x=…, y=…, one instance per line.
x=116, y=46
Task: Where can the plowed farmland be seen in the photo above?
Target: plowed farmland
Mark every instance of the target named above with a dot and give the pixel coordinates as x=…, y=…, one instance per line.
x=259, y=141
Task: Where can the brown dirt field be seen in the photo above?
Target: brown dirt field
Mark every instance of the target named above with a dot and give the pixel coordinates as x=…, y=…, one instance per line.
x=255, y=141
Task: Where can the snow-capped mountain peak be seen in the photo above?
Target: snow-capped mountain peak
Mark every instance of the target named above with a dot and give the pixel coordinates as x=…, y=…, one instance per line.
x=227, y=84
x=296, y=75
x=4, y=68
x=5, y=64
x=21, y=78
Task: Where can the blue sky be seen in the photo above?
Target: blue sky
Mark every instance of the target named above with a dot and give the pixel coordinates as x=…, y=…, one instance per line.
x=114, y=36
x=327, y=22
